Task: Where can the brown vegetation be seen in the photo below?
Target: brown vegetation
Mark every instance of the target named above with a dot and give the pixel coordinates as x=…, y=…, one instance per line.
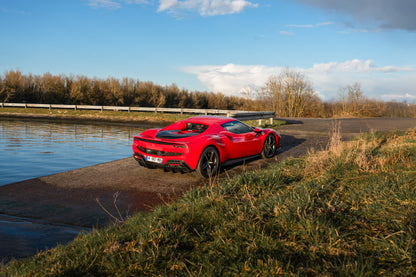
x=80, y=90
x=289, y=94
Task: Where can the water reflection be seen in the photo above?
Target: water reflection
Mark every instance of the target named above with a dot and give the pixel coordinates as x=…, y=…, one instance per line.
x=30, y=149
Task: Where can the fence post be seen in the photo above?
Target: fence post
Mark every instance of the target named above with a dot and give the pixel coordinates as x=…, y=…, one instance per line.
x=271, y=121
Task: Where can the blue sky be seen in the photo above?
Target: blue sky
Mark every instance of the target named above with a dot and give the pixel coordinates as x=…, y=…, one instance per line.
x=226, y=46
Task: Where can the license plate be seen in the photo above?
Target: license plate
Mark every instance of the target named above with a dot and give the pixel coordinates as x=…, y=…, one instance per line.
x=154, y=159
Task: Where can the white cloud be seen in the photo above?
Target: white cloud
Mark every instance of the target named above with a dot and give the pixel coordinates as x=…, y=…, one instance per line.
x=305, y=26
x=309, y=25
x=113, y=4
x=300, y=26
x=376, y=81
x=323, y=24
x=327, y=78
x=206, y=7
x=107, y=4
x=12, y=11
x=286, y=33
x=231, y=79
x=405, y=96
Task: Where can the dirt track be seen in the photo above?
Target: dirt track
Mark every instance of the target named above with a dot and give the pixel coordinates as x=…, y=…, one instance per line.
x=68, y=200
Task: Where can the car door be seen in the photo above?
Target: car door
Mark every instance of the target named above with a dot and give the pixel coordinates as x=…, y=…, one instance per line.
x=244, y=141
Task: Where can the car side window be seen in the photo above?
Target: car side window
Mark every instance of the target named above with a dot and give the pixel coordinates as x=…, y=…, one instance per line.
x=195, y=127
x=237, y=127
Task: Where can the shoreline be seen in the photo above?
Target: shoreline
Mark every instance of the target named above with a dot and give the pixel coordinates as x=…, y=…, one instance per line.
x=96, y=120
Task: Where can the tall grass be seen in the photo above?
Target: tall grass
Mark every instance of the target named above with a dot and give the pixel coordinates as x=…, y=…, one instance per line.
x=346, y=211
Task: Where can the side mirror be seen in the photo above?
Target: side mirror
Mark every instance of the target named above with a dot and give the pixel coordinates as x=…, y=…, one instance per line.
x=257, y=130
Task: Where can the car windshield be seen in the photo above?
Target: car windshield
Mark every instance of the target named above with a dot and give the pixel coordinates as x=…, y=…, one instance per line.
x=237, y=127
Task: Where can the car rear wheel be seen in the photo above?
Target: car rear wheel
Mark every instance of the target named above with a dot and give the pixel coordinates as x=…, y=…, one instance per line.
x=269, y=147
x=209, y=162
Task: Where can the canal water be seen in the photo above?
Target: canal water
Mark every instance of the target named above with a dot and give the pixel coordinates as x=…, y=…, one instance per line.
x=30, y=149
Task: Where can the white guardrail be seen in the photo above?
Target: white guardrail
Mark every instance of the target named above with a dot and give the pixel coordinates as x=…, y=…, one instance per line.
x=241, y=115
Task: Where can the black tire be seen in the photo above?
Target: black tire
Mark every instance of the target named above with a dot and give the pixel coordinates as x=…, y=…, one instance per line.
x=269, y=147
x=209, y=162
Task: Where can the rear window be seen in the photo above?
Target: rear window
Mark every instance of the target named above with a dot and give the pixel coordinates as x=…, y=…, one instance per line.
x=195, y=127
x=189, y=130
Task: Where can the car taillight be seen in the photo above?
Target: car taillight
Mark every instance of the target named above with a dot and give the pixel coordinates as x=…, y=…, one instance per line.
x=179, y=146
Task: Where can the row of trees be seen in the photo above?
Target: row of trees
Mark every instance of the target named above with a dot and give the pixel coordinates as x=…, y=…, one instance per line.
x=290, y=94
x=80, y=90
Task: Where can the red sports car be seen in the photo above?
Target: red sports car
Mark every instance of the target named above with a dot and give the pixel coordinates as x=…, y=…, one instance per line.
x=203, y=144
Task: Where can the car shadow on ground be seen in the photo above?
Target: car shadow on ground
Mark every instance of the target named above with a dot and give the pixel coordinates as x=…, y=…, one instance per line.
x=290, y=120
x=287, y=143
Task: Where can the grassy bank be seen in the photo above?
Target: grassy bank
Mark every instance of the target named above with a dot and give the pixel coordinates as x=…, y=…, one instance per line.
x=347, y=211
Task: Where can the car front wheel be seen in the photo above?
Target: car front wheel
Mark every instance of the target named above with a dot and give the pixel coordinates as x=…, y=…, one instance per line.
x=269, y=147
x=209, y=162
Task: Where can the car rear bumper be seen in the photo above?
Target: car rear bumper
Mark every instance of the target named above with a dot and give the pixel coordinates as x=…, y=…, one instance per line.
x=168, y=165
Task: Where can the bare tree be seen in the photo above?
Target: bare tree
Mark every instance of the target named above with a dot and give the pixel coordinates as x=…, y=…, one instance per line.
x=289, y=93
x=352, y=100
